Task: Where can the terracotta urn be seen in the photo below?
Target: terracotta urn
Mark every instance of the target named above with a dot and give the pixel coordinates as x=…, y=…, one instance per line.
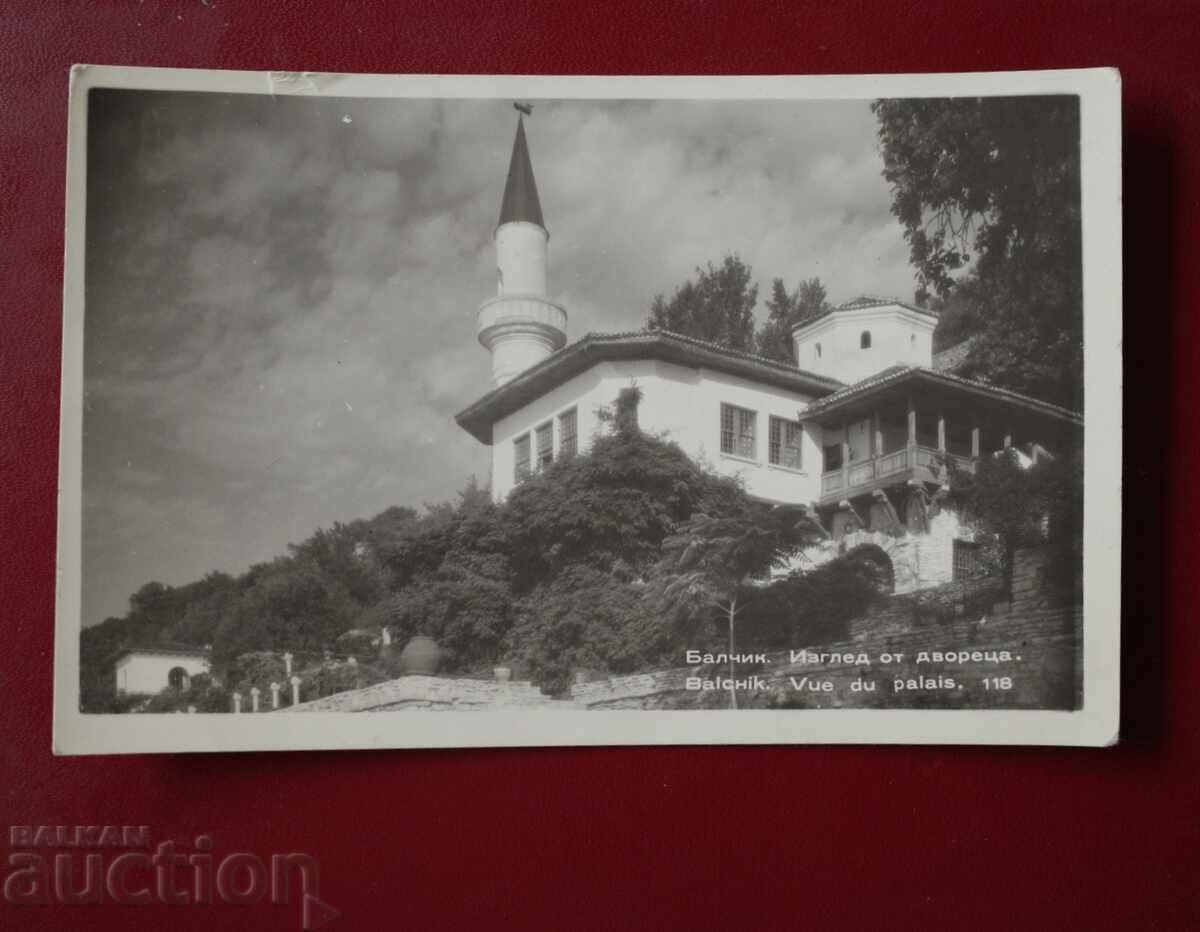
x=421, y=656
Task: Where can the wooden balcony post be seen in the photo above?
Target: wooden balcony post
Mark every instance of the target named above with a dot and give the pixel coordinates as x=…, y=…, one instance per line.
x=1007, y=439
x=878, y=436
x=941, y=432
x=845, y=455
x=912, y=431
x=975, y=443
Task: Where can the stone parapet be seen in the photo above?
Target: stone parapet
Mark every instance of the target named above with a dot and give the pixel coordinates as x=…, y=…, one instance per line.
x=515, y=311
x=433, y=692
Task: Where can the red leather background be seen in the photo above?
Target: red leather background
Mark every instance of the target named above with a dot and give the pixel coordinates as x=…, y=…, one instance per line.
x=653, y=838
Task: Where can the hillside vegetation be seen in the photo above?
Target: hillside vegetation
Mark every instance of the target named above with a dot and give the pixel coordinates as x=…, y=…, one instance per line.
x=594, y=563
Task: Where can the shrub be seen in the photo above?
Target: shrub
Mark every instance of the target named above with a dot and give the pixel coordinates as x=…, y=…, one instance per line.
x=257, y=668
x=331, y=678
x=202, y=693
x=584, y=619
x=810, y=607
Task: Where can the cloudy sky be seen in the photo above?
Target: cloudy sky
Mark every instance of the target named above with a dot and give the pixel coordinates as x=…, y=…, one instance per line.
x=281, y=292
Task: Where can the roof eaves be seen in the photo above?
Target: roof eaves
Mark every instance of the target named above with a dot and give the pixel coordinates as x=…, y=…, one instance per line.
x=861, y=303
x=477, y=420
x=900, y=373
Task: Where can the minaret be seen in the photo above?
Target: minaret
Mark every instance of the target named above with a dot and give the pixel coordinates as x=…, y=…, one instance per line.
x=520, y=326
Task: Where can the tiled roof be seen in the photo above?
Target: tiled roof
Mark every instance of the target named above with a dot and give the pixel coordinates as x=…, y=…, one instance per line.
x=950, y=359
x=897, y=374
x=868, y=300
x=592, y=348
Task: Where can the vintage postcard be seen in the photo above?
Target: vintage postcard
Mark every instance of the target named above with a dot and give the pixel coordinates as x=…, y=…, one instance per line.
x=412, y=411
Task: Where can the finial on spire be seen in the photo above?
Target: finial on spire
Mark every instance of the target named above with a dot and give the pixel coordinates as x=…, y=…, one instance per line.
x=525, y=107
x=520, y=201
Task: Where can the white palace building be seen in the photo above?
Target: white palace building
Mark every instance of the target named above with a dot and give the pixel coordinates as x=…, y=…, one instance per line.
x=857, y=431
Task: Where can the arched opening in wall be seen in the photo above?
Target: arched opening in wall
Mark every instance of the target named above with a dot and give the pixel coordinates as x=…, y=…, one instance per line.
x=875, y=566
x=864, y=340
x=178, y=678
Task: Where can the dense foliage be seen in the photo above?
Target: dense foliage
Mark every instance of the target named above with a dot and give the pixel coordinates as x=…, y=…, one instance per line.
x=1014, y=506
x=988, y=192
x=784, y=311
x=718, y=306
x=614, y=560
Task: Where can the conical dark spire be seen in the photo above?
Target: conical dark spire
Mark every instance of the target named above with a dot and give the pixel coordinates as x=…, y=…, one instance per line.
x=520, y=190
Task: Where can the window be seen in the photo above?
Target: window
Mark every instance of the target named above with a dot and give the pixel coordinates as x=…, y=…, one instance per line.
x=967, y=564
x=545, y=445
x=737, y=431
x=864, y=340
x=568, y=426
x=818, y=348
x=783, y=447
x=521, y=458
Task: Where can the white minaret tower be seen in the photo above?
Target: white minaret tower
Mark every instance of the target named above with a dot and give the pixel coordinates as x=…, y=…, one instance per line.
x=520, y=326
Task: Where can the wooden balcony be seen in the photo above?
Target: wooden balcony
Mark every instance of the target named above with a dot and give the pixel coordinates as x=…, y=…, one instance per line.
x=863, y=476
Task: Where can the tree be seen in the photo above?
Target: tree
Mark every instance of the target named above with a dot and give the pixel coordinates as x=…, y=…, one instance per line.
x=718, y=306
x=289, y=603
x=784, y=312
x=340, y=553
x=612, y=508
x=1021, y=506
x=810, y=606
x=580, y=536
x=465, y=605
x=585, y=619
x=988, y=192
x=706, y=563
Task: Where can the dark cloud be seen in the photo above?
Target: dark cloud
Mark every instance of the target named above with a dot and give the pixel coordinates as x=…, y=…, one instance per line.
x=281, y=291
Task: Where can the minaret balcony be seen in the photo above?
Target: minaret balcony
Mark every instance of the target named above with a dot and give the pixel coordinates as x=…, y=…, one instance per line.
x=522, y=313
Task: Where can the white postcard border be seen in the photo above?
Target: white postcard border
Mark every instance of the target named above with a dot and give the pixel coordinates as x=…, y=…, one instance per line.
x=1095, y=724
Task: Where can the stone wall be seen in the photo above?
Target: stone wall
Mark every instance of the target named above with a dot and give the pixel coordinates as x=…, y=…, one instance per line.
x=435, y=693
x=1026, y=654
x=919, y=561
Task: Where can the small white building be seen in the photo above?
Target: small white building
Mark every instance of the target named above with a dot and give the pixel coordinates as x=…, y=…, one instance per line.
x=150, y=670
x=860, y=430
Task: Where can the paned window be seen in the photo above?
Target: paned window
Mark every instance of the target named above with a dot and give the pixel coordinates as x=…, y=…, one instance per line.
x=545, y=445
x=784, y=443
x=521, y=458
x=737, y=431
x=568, y=427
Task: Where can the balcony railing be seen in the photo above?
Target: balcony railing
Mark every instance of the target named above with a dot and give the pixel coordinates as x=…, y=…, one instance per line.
x=864, y=472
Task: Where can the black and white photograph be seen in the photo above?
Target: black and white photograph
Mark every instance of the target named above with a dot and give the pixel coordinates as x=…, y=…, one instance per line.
x=524, y=411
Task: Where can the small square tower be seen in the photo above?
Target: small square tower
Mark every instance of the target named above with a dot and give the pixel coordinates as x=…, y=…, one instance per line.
x=865, y=336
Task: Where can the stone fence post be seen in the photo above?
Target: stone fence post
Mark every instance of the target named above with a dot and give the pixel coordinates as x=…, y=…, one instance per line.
x=254, y=694
x=237, y=703
x=275, y=687
x=295, y=681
